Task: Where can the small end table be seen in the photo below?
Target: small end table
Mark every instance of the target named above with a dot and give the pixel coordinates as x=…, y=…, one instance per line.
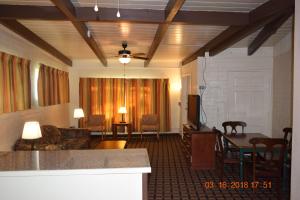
x=115, y=129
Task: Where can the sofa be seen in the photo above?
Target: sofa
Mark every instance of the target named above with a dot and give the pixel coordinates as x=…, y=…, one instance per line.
x=54, y=138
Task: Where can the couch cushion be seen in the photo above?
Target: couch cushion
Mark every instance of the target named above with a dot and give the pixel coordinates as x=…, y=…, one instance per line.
x=51, y=134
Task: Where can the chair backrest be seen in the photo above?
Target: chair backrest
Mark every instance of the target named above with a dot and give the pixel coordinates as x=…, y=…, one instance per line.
x=271, y=152
x=288, y=137
x=219, y=141
x=150, y=119
x=233, y=125
x=95, y=120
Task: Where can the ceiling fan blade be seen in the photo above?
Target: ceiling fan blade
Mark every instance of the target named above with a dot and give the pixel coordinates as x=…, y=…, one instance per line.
x=113, y=56
x=138, y=57
x=138, y=54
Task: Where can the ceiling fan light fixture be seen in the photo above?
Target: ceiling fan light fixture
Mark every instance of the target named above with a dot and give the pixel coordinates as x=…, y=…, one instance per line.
x=124, y=59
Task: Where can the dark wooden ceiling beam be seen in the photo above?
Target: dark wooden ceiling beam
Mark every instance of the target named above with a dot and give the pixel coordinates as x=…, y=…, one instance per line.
x=267, y=32
x=24, y=32
x=87, y=14
x=259, y=17
x=271, y=7
x=30, y=12
x=246, y=31
x=67, y=8
x=212, y=18
x=221, y=37
x=171, y=10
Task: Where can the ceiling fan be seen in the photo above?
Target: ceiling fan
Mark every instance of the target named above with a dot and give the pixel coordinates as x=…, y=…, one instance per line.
x=125, y=55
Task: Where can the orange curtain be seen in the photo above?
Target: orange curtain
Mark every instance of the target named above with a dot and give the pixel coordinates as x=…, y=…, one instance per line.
x=53, y=86
x=142, y=96
x=15, y=87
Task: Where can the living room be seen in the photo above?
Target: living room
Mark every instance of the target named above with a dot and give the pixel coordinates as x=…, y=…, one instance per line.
x=232, y=84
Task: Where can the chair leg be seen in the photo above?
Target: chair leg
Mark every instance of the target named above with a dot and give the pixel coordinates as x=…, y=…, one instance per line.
x=141, y=134
x=157, y=135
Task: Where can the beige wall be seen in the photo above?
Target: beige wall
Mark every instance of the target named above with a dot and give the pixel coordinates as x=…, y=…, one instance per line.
x=282, y=86
x=92, y=68
x=11, y=124
x=295, y=182
x=192, y=69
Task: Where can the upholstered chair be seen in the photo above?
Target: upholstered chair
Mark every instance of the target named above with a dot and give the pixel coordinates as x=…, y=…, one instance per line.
x=149, y=123
x=96, y=123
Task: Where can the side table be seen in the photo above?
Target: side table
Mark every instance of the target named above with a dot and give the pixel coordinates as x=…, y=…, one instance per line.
x=115, y=129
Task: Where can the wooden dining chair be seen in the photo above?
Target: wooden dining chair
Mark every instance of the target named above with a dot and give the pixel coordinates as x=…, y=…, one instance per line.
x=267, y=158
x=233, y=125
x=222, y=157
x=288, y=139
x=233, y=129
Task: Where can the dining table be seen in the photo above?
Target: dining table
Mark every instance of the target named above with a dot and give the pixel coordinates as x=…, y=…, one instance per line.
x=241, y=142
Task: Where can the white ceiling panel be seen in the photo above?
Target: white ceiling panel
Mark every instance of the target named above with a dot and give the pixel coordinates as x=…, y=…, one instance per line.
x=111, y=36
x=222, y=5
x=63, y=36
x=132, y=4
x=183, y=40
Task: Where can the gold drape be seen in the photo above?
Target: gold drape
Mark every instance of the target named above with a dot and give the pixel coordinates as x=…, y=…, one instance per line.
x=53, y=86
x=142, y=96
x=15, y=87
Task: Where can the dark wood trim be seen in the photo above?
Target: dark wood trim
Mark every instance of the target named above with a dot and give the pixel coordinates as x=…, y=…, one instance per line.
x=239, y=35
x=67, y=8
x=211, y=18
x=86, y=14
x=267, y=32
x=161, y=31
x=24, y=32
x=30, y=12
x=259, y=17
x=127, y=15
x=171, y=10
x=271, y=7
x=214, y=42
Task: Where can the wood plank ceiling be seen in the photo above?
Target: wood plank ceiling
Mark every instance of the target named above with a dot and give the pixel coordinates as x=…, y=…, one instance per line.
x=180, y=40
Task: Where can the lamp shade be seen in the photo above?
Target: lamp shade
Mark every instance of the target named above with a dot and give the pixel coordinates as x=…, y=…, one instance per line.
x=78, y=113
x=122, y=110
x=31, y=130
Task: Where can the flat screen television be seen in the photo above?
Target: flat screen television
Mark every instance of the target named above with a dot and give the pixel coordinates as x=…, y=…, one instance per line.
x=194, y=111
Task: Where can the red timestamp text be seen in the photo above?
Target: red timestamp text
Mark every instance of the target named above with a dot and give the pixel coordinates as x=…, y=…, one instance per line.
x=237, y=184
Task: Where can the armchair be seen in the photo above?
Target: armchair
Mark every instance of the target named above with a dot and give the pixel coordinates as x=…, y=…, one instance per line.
x=96, y=123
x=150, y=122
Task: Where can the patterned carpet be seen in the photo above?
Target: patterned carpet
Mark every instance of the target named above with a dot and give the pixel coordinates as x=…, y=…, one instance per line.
x=172, y=177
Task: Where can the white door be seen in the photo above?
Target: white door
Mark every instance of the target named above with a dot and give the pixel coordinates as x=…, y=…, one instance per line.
x=249, y=100
x=186, y=90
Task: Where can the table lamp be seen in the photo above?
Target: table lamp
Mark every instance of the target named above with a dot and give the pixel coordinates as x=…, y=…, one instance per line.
x=31, y=131
x=123, y=111
x=78, y=113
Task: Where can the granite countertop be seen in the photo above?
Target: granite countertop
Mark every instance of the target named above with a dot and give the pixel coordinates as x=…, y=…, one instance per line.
x=74, y=162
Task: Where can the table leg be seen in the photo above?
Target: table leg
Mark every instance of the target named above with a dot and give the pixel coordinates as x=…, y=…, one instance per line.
x=129, y=130
x=241, y=165
x=114, y=129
